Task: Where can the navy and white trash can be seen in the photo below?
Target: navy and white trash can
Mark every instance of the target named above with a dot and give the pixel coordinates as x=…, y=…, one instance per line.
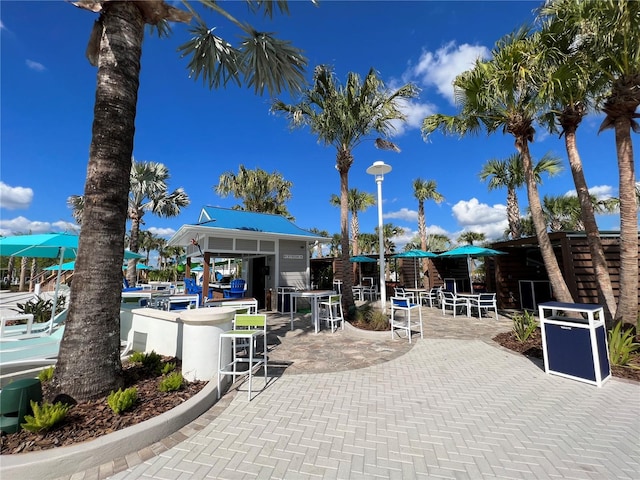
x=574, y=341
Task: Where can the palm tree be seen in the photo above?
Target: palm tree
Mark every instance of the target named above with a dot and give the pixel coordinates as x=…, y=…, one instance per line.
x=500, y=94
x=260, y=191
x=344, y=117
x=470, y=237
x=358, y=202
x=510, y=175
x=367, y=243
x=425, y=190
x=605, y=37
x=89, y=366
x=336, y=245
x=437, y=242
x=148, y=193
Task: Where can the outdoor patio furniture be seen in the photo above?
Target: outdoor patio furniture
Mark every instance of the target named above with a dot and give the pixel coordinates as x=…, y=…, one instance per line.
x=246, y=329
x=236, y=289
x=30, y=330
x=331, y=312
x=357, y=292
x=401, y=292
x=401, y=308
x=15, y=402
x=454, y=302
x=432, y=297
x=484, y=301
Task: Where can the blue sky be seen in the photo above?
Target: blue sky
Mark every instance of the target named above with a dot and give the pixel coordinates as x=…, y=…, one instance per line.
x=48, y=87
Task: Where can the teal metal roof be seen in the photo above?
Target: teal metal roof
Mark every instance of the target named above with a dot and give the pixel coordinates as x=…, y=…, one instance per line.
x=227, y=218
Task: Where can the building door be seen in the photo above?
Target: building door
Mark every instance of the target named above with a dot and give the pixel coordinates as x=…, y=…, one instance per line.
x=258, y=280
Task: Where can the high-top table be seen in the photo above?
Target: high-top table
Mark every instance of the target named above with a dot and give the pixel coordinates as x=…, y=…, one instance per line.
x=314, y=296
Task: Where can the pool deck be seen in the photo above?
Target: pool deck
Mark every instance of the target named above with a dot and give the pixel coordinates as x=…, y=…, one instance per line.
x=359, y=405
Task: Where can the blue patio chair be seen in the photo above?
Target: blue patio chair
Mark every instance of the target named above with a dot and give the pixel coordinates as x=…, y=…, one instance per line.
x=236, y=290
x=127, y=288
x=191, y=287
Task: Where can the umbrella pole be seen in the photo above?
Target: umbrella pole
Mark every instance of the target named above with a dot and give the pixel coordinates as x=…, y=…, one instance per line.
x=55, y=295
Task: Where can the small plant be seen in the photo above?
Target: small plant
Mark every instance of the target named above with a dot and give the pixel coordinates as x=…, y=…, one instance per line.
x=40, y=308
x=378, y=320
x=121, y=401
x=136, y=357
x=168, y=368
x=152, y=362
x=46, y=374
x=524, y=325
x=45, y=416
x=171, y=382
x=621, y=344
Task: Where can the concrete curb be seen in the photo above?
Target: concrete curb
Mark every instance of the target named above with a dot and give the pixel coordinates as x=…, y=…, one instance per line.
x=61, y=461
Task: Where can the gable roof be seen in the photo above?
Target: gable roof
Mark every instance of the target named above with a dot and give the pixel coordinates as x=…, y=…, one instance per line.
x=228, y=223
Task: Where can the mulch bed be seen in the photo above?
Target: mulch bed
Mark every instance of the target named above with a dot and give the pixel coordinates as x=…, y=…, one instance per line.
x=93, y=419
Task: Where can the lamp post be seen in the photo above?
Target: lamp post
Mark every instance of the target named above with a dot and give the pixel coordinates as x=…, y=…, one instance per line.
x=378, y=169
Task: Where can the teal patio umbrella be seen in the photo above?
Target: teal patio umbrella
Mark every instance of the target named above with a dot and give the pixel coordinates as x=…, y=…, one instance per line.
x=63, y=246
x=471, y=251
x=361, y=259
x=415, y=254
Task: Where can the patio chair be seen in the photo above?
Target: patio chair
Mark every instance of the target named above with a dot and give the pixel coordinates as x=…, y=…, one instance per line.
x=15, y=332
x=15, y=402
x=403, y=306
x=127, y=288
x=236, y=289
x=331, y=312
x=247, y=329
x=432, y=297
x=485, y=301
x=370, y=292
x=450, y=300
x=357, y=293
x=401, y=292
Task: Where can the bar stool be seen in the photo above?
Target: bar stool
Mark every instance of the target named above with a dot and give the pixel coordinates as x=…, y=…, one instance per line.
x=247, y=328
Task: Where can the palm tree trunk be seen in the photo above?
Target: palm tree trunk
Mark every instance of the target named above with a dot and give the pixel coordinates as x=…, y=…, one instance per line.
x=347, y=274
x=23, y=274
x=422, y=232
x=89, y=362
x=603, y=280
x=627, y=310
x=559, y=286
x=513, y=214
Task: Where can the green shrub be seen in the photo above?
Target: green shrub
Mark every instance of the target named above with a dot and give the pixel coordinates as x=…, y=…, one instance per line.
x=524, y=325
x=168, y=368
x=45, y=416
x=171, y=382
x=121, y=401
x=46, y=374
x=378, y=320
x=40, y=308
x=152, y=362
x=621, y=344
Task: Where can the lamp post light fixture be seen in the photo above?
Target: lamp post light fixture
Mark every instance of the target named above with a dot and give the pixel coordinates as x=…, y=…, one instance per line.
x=378, y=169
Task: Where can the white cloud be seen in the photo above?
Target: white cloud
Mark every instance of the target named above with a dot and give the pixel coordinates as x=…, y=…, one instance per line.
x=474, y=216
x=162, y=232
x=414, y=112
x=601, y=192
x=38, y=67
x=24, y=225
x=439, y=69
x=15, y=198
x=402, y=214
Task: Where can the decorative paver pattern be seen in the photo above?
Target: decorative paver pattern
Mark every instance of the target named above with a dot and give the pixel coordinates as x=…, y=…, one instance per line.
x=446, y=408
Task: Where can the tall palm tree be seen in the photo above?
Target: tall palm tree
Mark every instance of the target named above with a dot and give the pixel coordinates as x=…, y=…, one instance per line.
x=569, y=85
x=500, y=94
x=147, y=193
x=89, y=365
x=605, y=35
x=425, y=190
x=260, y=191
x=510, y=175
x=344, y=117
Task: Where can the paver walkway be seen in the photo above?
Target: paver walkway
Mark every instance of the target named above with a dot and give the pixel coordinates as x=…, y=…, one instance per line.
x=450, y=408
